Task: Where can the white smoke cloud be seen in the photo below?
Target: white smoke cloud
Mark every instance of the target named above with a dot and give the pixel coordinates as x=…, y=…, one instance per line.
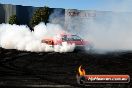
x=21, y=38
x=117, y=35
x=57, y=17
x=108, y=30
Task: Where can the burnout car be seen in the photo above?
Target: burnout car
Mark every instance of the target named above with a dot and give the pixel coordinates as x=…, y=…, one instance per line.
x=80, y=44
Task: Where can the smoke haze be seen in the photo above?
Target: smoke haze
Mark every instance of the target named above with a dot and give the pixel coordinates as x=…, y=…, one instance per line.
x=20, y=37
x=108, y=30
x=105, y=30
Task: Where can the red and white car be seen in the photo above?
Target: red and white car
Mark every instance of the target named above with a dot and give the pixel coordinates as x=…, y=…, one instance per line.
x=70, y=39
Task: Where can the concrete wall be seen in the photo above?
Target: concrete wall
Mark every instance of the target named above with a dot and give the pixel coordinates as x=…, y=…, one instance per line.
x=79, y=21
x=9, y=11
x=68, y=18
x=24, y=13
x=2, y=14
x=74, y=19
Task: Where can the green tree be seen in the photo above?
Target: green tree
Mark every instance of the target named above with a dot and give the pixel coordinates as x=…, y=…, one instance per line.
x=40, y=15
x=13, y=19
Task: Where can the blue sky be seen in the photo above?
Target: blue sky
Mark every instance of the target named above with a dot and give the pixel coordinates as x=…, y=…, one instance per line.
x=104, y=5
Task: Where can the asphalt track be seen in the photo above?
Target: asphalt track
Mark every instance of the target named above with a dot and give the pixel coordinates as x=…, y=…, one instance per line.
x=28, y=69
